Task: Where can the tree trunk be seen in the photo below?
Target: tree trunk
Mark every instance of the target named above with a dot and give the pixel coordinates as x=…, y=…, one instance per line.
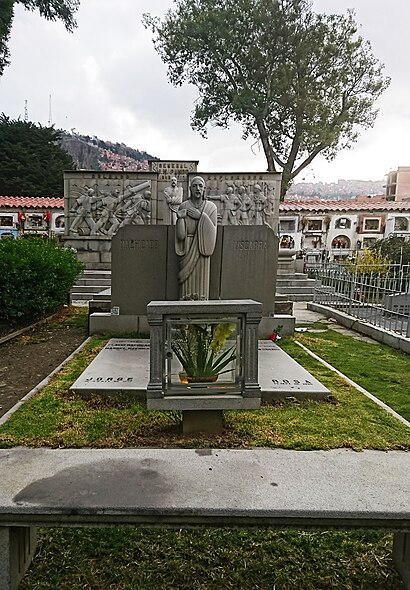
x=264, y=137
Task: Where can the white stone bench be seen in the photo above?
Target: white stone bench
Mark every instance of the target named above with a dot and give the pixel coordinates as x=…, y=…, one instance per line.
x=181, y=488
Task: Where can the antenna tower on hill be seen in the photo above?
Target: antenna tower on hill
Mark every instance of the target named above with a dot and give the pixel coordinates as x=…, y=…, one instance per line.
x=25, y=112
x=50, y=117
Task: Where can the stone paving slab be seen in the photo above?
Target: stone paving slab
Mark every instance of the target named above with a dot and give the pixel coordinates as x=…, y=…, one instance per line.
x=270, y=485
x=123, y=365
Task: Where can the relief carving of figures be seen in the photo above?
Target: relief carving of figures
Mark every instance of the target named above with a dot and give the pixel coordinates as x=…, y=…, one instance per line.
x=269, y=210
x=137, y=210
x=259, y=201
x=83, y=211
x=246, y=204
x=231, y=206
x=173, y=196
x=144, y=209
x=195, y=237
x=270, y=203
x=105, y=213
x=108, y=223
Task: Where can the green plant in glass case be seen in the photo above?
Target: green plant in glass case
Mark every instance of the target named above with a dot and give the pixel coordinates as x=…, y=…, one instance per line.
x=200, y=350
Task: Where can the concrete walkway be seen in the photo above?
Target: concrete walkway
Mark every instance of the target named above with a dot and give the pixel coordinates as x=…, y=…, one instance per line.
x=304, y=315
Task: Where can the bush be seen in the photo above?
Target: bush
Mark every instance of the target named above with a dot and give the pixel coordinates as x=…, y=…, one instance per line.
x=368, y=262
x=396, y=248
x=36, y=276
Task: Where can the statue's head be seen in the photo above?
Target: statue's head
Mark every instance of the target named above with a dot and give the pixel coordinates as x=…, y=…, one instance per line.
x=197, y=187
x=174, y=181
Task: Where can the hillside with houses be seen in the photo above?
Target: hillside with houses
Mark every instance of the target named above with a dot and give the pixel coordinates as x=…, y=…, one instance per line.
x=92, y=153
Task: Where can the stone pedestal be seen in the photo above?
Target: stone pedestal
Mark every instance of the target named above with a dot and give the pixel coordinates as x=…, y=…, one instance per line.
x=210, y=422
x=17, y=546
x=401, y=556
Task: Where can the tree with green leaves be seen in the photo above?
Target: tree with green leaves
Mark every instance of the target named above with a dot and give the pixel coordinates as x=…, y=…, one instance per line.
x=395, y=248
x=300, y=83
x=50, y=9
x=32, y=162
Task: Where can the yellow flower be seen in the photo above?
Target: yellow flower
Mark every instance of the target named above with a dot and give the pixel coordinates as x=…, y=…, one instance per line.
x=220, y=335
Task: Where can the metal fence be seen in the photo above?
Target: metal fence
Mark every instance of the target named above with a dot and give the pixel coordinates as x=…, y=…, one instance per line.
x=378, y=295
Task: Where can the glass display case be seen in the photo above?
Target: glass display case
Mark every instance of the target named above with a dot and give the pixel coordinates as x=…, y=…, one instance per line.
x=203, y=355
x=204, y=350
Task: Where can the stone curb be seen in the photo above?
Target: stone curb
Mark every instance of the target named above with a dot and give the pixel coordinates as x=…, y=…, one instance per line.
x=375, y=399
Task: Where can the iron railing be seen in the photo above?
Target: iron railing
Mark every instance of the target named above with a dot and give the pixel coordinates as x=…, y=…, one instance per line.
x=378, y=295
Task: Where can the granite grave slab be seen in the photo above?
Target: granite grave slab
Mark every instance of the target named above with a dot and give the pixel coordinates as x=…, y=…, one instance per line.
x=123, y=365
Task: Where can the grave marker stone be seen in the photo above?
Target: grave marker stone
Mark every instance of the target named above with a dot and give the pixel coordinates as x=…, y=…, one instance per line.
x=248, y=265
x=144, y=268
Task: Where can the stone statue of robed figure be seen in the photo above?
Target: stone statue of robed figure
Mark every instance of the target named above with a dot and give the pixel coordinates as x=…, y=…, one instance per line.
x=195, y=237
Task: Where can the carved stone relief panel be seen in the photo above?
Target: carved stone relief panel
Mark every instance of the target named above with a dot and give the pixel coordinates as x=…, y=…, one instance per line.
x=98, y=204
x=245, y=199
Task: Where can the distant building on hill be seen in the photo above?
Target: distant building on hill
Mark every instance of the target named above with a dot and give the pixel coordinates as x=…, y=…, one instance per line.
x=398, y=184
x=91, y=153
x=340, y=190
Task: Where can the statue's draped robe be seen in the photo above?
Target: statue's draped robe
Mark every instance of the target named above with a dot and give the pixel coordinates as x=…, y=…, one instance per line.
x=195, y=243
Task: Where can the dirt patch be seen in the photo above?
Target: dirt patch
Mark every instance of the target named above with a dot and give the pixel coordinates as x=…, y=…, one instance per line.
x=29, y=358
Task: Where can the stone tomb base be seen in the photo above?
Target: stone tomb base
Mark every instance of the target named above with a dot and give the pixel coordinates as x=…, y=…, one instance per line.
x=209, y=421
x=123, y=366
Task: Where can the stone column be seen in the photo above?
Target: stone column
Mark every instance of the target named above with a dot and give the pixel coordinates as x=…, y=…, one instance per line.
x=401, y=556
x=251, y=385
x=17, y=546
x=155, y=385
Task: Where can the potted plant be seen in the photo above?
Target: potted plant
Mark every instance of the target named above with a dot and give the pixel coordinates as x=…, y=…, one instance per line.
x=200, y=348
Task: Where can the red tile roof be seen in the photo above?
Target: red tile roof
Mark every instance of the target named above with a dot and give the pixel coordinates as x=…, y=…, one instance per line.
x=316, y=205
x=27, y=202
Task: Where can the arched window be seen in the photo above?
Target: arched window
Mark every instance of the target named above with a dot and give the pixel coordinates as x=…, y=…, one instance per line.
x=287, y=242
x=59, y=222
x=341, y=242
x=343, y=223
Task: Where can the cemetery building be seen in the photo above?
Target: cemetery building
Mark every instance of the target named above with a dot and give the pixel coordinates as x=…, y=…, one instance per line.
x=333, y=229
x=22, y=216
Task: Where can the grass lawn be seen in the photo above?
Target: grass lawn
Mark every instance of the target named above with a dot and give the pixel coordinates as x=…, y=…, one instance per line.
x=136, y=559
x=213, y=559
x=382, y=370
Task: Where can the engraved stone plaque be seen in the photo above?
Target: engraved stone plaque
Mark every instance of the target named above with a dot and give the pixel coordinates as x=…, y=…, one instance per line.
x=123, y=365
x=248, y=267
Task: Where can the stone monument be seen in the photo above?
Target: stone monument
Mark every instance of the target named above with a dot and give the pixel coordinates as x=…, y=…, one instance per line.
x=195, y=237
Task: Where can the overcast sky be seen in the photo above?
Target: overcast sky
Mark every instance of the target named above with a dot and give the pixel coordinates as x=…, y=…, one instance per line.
x=106, y=79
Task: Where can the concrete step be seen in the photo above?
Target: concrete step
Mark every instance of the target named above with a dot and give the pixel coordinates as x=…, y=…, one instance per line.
x=88, y=288
x=295, y=283
x=89, y=284
x=295, y=276
x=103, y=296
x=97, y=273
x=300, y=296
x=292, y=289
x=85, y=281
x=80, y=296
x=279, y=297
